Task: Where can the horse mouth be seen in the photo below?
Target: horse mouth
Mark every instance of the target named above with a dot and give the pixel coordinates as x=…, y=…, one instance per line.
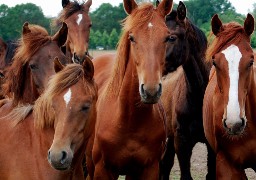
x=150, y=99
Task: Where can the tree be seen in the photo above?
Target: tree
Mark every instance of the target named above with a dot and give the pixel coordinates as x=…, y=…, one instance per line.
x=113, y=39
x=12, y=19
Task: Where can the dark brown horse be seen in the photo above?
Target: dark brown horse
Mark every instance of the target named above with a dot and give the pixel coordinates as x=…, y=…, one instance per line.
x=32, y=63
x=57, y=130
x=230, y=100
x=130, y=133
x=183, y=92
x=76, y=16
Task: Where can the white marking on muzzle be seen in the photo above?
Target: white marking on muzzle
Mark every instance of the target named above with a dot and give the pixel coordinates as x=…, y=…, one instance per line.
x=67, y=96
x=79, y=19
x=233, y=56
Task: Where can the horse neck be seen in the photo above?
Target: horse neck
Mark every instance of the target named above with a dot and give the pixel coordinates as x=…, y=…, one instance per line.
x=251, y=98
x=196, y=74
x=129, y=99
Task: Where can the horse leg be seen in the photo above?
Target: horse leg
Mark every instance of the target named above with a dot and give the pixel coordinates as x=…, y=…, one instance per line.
x=227, y=170
x=101, y=173
x=183, y=149
x=211, y=163
x=167, y=162
x=148, y=173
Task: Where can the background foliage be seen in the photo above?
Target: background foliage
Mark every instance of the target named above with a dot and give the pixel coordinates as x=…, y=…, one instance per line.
x=106, y=20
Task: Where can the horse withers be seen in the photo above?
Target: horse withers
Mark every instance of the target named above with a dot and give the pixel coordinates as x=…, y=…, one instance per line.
x=230, y=100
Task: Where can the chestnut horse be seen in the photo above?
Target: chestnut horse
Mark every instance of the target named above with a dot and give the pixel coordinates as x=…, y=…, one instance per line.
x=57, y=130
x=130, y=133
x=76, y=16
x=230, y=100
x=32, y=64
x=183, y=92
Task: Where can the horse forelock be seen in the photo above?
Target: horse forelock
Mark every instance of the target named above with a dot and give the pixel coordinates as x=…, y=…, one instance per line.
x=232, y=33
x=69, y=76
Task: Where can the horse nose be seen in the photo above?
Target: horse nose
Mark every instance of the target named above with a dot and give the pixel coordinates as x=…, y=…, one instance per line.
x=150, y=94
x=59, y=160
x=79, y=59
x=235, y=128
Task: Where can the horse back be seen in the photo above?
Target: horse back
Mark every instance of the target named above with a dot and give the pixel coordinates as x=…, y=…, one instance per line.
x=102, y=69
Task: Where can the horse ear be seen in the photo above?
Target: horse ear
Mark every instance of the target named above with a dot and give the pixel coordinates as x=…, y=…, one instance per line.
x=57, y=65
x=88, y=68
x=216, y=25
x=157, y=3
x=65, y=3
x=129, y=6
x=25, y=29
x=181, y=11
x=88, y=3
x=165, y=7
x=61, y=35
x=249, y=24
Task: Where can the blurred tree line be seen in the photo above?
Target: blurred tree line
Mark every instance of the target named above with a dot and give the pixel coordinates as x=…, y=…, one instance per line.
x=106, y=20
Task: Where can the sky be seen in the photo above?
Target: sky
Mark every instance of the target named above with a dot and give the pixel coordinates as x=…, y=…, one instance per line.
x=51, y=8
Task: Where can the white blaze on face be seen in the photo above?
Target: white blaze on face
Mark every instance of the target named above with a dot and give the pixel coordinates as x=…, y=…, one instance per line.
x=67, y=96
x=233, y=56
x=150, y=25
x=79, y=19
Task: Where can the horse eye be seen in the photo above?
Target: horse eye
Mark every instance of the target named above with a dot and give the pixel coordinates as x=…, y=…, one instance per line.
x=131, y=38
x=251, y=63
x=33, y=66
x=170, y=39
x=85, y=107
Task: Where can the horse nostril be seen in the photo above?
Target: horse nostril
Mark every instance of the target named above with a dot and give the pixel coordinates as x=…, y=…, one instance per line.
x=243, y=122
x=142, y=89
x=224, y=123
x=160, y=88
x=49, y=154
x=64, y=157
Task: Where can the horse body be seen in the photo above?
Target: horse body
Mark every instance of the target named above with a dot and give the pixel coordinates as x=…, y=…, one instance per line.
x=51, y=133
x=183, y=95
x=129, y=134
x=230, y=100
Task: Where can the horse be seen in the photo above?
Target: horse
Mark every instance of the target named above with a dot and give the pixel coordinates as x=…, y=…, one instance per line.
x=7, y=51
x=76, y=16
x=50, y=142
x=32, y=64
x=229, y=104
x=184, y=83
x=130, y=132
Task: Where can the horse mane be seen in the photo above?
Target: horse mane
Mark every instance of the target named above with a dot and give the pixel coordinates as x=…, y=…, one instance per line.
x=70, y=75
x=232, y=33
x=66, y=12
x=27, y=46
x=139, y=16
x=10, y=51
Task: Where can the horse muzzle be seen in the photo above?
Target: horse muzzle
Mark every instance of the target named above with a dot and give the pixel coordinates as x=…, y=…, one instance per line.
x=236, y=127
x=60, y=160
x=150, y=95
